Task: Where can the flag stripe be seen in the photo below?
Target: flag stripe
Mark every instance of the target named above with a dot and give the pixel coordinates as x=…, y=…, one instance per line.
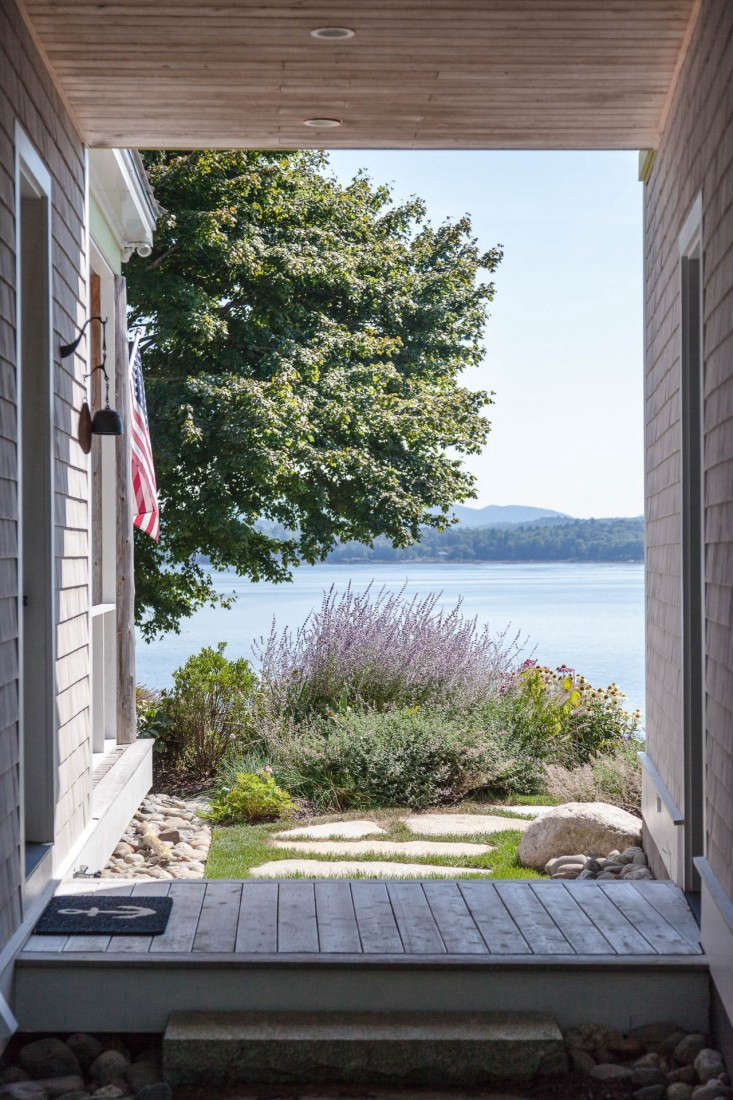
x=146, y=512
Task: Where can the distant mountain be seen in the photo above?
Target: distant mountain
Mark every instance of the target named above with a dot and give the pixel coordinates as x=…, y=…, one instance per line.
x=500, y=515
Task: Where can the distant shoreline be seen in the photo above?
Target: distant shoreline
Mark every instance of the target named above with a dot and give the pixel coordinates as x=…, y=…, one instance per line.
x=482, y=561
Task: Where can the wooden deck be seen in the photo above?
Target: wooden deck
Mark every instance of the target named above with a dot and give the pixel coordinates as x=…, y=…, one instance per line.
x=365, y=918
x=348, y=945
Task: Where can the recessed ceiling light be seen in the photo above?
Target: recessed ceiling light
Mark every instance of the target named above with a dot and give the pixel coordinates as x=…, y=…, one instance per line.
x=322, y=123
x=331, y=34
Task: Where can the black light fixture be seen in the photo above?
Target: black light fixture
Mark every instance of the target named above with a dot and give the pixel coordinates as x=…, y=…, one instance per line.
x=106, y=421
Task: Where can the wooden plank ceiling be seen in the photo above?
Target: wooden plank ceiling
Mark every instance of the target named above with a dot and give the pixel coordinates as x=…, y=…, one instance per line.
x=416, y=74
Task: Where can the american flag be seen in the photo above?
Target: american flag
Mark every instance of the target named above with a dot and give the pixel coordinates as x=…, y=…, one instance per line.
x=146, y=514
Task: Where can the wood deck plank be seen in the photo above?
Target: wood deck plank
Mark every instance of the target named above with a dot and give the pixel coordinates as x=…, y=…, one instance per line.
x=93, y=943
x=45, y=943
x=188, y=898
x=669, y=900
x=418, y=931
x=645, y=918
x=493, y=920
x=338, y=931
x=217, y=925
x=374, y=916
x=575, y=925
x=619, y=932
x=297, y=928
x=127, y=945
x=257, y=928
x=538, y=927
x=429, y=920
x=453, y=918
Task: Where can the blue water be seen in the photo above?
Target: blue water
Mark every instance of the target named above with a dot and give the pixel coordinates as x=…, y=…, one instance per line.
x=588, y=616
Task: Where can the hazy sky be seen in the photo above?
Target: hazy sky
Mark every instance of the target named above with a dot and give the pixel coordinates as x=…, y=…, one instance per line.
x=564, y=339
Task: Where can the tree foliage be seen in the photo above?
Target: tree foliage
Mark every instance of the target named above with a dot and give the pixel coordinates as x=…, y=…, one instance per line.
x=302, y=351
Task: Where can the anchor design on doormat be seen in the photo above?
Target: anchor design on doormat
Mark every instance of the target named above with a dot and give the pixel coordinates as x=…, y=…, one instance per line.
x=125, y=912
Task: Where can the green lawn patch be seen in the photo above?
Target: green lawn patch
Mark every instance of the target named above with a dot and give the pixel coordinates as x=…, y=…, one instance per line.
x=235, y=849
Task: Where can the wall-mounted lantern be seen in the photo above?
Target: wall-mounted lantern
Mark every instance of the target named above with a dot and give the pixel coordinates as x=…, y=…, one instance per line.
x=106, y=421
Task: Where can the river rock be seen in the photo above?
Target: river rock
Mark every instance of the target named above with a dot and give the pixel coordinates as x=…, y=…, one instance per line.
x=49, y=1058
x=140, y=1074
x=610, y=1071
x=678, y=1090
x=108, y=1066
x=688, y=1049
x=23, y=1090
x=685, y=1075
x=12, y=1074
x=85, y=1047
x=708, y=1064
x=712, y=1090
x=59, y=1086
x=651, y=1059
x=591, y=827
x=582, y=1061
x=561, y=862
x=648, y=1075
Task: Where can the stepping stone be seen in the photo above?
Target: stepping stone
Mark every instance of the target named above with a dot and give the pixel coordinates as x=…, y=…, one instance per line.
x=353, y=829
x=384, y=847
x=523, y=811
x=316, y=868
x=463, y=824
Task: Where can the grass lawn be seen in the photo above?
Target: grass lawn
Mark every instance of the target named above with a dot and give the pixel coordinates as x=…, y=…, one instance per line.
x=237, y=848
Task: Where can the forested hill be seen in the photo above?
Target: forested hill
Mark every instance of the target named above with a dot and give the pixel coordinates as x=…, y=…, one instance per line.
x=564, y=540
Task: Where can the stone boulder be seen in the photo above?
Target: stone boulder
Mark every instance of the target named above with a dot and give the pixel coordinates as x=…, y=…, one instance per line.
x=591, y=827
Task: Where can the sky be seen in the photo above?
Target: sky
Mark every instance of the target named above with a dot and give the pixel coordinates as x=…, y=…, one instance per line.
x=564, y=337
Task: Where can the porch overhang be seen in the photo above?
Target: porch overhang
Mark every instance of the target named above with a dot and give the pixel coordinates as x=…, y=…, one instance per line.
x=490, y=74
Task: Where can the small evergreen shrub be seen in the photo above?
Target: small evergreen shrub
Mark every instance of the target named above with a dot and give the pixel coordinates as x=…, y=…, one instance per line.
x=210, y=709
x=251, y=798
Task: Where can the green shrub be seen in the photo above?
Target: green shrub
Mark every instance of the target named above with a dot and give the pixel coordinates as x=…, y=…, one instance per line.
x=410, y=757
x=251, y=798
x=210, y=710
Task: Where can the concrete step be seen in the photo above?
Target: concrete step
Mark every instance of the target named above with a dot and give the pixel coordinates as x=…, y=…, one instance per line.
x=456, y=1049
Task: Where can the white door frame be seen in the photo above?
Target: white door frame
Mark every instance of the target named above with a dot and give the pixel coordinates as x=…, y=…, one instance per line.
x=31, y=174
x=692, y=392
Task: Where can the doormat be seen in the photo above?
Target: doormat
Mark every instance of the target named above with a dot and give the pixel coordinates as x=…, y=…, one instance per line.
x=104, y=914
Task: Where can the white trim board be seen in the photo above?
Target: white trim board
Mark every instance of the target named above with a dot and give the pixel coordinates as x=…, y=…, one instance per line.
x=691, y=227
x=32, y=173
x=663, y=818
x=717, y=932
x=114, y=800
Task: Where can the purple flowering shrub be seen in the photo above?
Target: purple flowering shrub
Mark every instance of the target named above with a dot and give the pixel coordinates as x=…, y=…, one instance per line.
x=381, y=699
x=382, y=650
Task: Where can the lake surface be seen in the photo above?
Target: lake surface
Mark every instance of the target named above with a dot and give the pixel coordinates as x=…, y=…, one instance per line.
x=588, y=616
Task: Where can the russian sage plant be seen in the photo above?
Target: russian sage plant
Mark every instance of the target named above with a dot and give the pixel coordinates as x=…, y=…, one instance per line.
x=383, y=649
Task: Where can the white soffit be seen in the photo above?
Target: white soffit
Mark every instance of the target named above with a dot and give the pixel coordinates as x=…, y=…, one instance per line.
x=118, y=185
